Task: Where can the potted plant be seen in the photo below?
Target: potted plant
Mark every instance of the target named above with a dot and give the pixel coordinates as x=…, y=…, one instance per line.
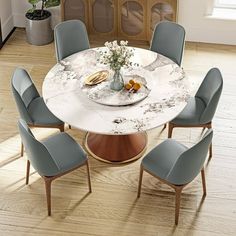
x=38, y=22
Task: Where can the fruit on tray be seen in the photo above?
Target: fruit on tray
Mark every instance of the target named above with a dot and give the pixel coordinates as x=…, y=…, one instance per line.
x=132, y=82
x=128, y=86
x=136, y=86
x=133, y=86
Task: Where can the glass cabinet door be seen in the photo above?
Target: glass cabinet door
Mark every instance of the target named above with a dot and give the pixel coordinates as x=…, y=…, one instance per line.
x=102, y=16
x=161, y=10
x=75, y=9
x=132, y=18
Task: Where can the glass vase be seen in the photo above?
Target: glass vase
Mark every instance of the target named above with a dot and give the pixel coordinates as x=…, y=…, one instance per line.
x=117, y=81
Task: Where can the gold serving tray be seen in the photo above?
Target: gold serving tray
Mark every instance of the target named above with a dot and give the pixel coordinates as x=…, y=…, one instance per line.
x=97, y=77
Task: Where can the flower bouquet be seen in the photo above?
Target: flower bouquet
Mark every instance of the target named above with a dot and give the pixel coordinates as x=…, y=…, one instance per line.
x=116, y=55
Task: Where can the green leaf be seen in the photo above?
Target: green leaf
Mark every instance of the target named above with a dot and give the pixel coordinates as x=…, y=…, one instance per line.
x=52, y=3
x=32, y=9
x=34, y=2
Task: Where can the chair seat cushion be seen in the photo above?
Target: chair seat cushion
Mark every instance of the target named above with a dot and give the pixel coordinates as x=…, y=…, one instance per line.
x=41, y=115
x=192, y=112
x=65, y=151
x=160, y=160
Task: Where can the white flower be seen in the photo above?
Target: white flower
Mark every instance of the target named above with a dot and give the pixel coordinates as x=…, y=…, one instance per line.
x=117, y=55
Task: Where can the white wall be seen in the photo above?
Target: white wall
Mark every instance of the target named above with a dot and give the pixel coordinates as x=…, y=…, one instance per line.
x=6, y=17
x=20, y=7
x=202, y=28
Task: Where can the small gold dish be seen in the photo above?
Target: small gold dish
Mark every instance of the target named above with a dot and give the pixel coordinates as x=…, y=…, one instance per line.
x=97, y=77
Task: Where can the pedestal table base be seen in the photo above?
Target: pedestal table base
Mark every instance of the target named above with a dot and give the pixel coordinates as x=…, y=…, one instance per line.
x=116, y=148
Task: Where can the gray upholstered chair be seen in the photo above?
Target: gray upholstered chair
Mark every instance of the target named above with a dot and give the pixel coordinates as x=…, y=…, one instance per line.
x=70, y=37
x=168, y=39
x=30, y=105
x=201, y=108
x=176, y=165
x=53, y=157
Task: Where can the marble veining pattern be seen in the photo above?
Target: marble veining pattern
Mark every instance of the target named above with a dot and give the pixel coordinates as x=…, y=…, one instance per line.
x=67, y=97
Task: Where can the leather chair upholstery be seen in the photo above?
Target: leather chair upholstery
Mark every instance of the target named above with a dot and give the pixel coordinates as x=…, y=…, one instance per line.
x=70, y=37
x=168, y=39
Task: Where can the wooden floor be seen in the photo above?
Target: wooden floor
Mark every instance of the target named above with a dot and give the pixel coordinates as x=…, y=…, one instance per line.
x=112, y=208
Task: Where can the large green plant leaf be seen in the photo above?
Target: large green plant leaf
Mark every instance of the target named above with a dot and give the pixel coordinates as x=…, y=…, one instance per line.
x=47, y=3
x=34, y=2
x=52, y=3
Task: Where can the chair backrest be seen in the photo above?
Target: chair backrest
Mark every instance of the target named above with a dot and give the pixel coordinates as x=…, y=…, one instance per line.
x=70, y=37
x=37, y=153
x=209, y=92
x=24, y=92
x=168, y=39
x=190, y=162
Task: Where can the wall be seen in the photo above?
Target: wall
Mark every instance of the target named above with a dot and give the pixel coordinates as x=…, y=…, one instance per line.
x=6, y=16
x=20, y=7
x=202, y=28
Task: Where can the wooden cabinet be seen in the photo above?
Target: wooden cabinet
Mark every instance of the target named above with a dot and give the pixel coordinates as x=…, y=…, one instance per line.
x=121, y=19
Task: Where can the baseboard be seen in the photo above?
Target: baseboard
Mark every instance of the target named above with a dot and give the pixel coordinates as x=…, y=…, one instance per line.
x=8, y=36
x=7, y=26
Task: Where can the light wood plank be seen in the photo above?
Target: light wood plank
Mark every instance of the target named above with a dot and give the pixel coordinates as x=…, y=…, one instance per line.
x=112, y=208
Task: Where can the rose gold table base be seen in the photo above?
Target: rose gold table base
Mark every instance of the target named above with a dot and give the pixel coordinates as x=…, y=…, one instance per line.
x=116, y=148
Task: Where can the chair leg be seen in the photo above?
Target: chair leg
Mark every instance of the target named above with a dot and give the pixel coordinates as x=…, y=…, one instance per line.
x=62, y=128
x=48, y=182
x=140, y=181
x=22, y=150
x=27, y=172
x=203, y=181
x=69, y=126
x=170, y=129
x=210, y=151
x=89, y=179
x=164, y=126
x=178, y=191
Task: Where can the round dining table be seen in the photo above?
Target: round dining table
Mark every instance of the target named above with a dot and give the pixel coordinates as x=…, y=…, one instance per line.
x=116, y=132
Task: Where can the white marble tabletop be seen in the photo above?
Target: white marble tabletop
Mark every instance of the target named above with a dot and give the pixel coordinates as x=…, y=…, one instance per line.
x=66, y=95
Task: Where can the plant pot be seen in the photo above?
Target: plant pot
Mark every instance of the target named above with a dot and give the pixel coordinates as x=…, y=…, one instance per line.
x=39, y=32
